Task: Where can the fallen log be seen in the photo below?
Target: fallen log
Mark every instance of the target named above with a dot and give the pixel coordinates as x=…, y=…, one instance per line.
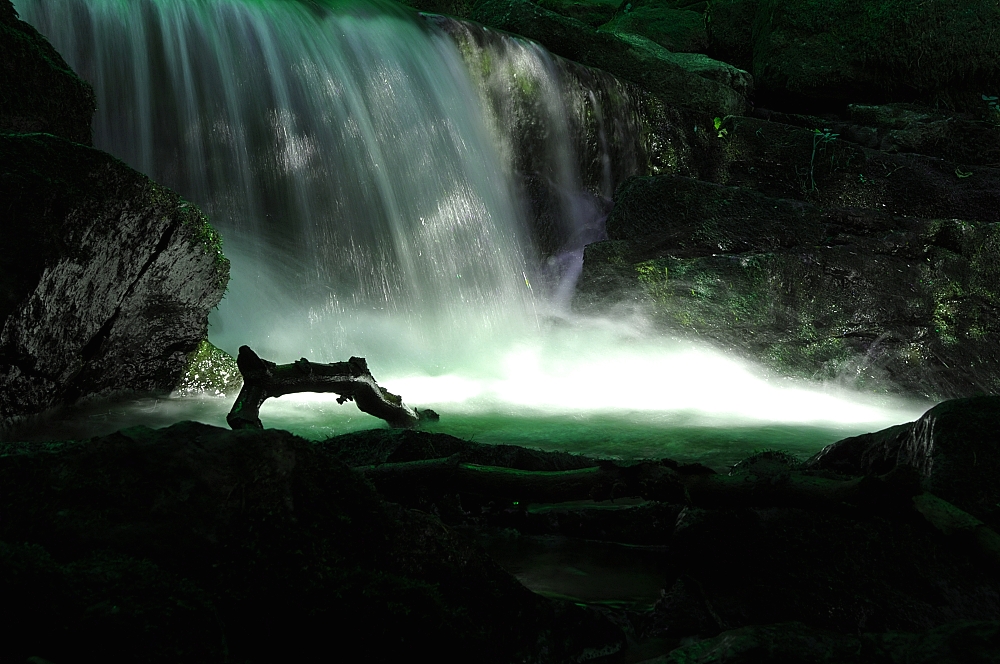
x=351, y=380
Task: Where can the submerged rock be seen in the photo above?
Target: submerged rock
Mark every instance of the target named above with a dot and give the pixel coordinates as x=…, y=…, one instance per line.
x=107, y=277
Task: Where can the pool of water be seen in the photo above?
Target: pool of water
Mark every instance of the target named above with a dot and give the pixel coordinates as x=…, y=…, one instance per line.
x=716, y=440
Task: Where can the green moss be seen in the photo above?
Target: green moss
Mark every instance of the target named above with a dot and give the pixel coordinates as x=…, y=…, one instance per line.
x=210, y=370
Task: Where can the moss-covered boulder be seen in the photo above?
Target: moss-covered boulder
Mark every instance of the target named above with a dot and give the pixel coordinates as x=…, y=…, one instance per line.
x=678, y=30
x=729, y=28
x=803, y=51
x=272, y=546
x=592, y=12
x=867, y=298
x=38, y=90
x=106, y=278
x=632, y=58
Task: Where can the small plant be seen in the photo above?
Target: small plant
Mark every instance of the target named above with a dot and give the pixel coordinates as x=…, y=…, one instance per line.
x=820, y=138
x=720, y=132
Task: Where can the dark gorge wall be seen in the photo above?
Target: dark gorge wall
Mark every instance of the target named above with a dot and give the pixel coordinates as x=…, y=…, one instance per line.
x=106, y=278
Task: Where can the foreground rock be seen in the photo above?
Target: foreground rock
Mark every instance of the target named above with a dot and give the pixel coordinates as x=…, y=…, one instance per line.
x=968, y=642
x=107, y=277
x=747, y=583
x=193, y=543
x=955, y=448
x=197, y=544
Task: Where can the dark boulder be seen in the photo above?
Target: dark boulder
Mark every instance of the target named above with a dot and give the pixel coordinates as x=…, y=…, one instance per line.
x=592, y=12
x=958, y=138
x=38, y=90
x=826, y=54
x=273, y=544
x=817, y=164
x=955, y=448
x=107, y=278
x=677, y=30
x=729, y=27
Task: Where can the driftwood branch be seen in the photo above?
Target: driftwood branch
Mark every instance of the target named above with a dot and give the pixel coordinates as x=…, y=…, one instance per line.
x=351, y=380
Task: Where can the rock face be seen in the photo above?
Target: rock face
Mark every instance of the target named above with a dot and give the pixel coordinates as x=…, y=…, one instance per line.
x=198, y=544
x=638, y=60
x=107, y=277
x=821, y=257
x=698, y=83
x=945, y=52
x=38, y=90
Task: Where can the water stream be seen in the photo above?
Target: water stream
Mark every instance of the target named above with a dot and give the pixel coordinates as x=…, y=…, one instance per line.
x=417, y=191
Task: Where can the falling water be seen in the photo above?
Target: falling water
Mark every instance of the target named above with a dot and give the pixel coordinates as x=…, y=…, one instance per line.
x=362, y=199
x=418, y=191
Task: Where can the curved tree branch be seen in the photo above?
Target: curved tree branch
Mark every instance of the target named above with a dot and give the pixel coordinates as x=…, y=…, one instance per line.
x=351, y=380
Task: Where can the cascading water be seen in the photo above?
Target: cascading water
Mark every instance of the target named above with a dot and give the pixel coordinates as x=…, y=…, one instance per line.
x=419, y=192
x=361, y=198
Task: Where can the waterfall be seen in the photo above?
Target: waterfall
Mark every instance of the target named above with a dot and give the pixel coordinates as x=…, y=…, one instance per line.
x=377, y=195
x=413, y=189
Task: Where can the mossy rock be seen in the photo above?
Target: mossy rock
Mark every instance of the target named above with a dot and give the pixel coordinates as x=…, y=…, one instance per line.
x=629, y=57
x=591, y=12
x=38, y=90
x=210, y=370
x=677, y=30
x=459, y=8
x=862, y=297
